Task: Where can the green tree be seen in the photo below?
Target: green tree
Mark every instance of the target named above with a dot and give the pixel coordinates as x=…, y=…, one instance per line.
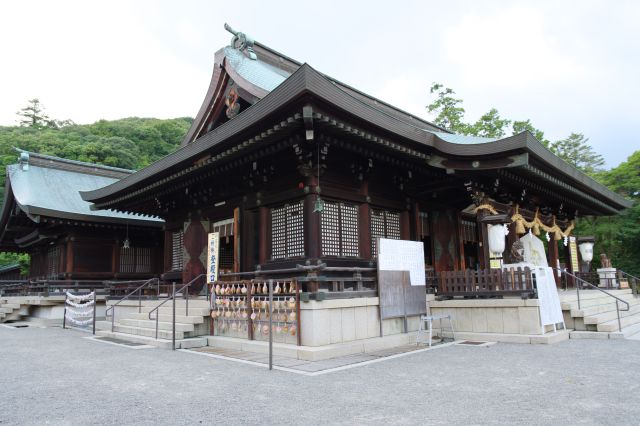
x=521, y=126
x=448, y=109
x=489, y=125
x=576, y=151
x=33, y=115
x=619, y=236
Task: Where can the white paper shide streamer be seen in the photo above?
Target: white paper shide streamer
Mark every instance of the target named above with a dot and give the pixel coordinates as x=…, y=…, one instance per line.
x=79, y=309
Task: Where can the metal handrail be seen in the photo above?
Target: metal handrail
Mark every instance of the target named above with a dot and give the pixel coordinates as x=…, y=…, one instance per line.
x=173, y=298
x=635, y=279
x=137, y=289
x=580, y=281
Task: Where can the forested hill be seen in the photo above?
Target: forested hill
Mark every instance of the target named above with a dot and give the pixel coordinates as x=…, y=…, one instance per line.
x=131, y=143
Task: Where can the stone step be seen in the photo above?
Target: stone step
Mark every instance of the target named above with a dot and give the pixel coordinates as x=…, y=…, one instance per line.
x=198, y=319
x=152, y=324
x=612, y=325
x=610, y=305
x=192, y=342
x=611, y=314
x=572, y=296
x=10, y=305
x=167, y=310
x=594, y=302
x=4, y=310
x=148, y=332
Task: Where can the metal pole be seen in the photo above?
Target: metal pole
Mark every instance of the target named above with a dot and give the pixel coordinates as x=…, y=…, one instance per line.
x=578, y=284
x=173, y=337
x=186, y=311
x=271, y=325
x=94, y=311
x=64, y=316
x=618, y=311
x=113, y=316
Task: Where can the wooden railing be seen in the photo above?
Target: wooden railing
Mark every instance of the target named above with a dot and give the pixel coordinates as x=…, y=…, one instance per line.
x=486, y=282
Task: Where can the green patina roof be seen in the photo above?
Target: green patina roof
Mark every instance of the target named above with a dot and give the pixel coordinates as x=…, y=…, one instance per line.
x=463, y=139
x=256, y=72
x=54, y=192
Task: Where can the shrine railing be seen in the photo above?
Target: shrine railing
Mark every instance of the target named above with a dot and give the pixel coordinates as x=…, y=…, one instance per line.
x=486, y=282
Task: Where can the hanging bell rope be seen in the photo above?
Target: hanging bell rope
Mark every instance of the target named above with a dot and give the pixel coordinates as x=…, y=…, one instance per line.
x=536, y=225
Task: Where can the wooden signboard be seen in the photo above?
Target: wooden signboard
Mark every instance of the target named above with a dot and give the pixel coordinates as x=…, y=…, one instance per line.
x=213, y=261
x=573, y=254
x=398, y=298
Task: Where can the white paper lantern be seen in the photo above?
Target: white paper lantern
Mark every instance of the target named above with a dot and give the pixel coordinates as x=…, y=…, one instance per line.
x=586, y=251
x=496, y=234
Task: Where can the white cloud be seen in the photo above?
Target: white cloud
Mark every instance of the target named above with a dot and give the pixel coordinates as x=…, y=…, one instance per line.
x=509, y=48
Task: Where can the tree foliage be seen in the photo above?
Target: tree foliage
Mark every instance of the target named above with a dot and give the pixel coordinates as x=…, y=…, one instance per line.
x=525, y=125
x=576, y=151
x=130, y=143
x=448, y=109
x=489, y=125
x=619, y=236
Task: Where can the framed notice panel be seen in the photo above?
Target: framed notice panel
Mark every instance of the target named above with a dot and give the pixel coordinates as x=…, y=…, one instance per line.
x=399, y=299
x=213, y=261
x=401, y=255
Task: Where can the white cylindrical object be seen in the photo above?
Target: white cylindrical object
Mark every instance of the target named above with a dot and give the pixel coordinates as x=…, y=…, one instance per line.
x=496, y=239
x=586, y=251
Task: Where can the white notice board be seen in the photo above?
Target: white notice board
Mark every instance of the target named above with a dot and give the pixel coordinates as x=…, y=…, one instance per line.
x=213, y=261
x=548, y=299
x=402, y=255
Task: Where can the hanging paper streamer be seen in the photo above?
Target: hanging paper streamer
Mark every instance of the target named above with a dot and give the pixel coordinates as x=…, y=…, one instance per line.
x=80, y=309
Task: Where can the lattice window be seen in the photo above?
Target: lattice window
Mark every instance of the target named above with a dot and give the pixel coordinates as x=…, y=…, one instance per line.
x=135, y=259
x=177, y=251
x=287, y=231
x=469, y=231
x=53, y=254
x=339, y=229
x=384, y=224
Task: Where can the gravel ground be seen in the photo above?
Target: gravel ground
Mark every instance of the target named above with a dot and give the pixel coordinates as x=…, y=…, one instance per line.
x=55, y=376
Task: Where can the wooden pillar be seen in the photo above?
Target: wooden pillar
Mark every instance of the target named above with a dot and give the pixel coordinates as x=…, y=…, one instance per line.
x=69, y=268
x=553, y=258
x=364, y=223
x=462, y=262
x=405, y=226
x=311, y=221
x=236, y=239
x=483, y=241
x=263, y=235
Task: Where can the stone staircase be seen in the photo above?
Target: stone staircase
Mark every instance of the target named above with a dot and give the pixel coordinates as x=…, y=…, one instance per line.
x=133, y=326
x=597, y=317
x=11, y=310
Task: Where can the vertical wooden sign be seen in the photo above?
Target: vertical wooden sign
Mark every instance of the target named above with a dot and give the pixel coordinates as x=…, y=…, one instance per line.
x=213, y=248
x=573, y=254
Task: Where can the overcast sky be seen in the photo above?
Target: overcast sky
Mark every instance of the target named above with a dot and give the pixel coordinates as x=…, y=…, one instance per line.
x=569, y=66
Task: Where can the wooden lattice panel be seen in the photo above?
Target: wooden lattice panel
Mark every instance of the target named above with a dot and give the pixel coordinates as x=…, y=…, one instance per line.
x=392, y=225
x=349, y=230
x=339, y=226
x=287, y=231
x=330, y=226
x=53, y=254
x=384, y=224
x=177, y=251
x=295, y=229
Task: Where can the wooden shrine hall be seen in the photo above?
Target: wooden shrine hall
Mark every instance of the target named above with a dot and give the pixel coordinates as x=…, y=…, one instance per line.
x=307, y=170
x=302, y=174
x=43, y=215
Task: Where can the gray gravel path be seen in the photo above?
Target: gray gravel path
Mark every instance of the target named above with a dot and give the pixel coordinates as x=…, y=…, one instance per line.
x=55, y=376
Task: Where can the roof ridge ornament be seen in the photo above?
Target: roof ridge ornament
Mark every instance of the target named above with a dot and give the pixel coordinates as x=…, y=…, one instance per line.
x=242, y=42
